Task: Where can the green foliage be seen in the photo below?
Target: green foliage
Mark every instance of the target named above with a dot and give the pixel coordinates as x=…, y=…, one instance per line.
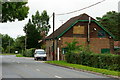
x=117, y=51
x=32, y=35
x=29, y=52
x=82, y=67
x=36, y=29
x=19, y=55
x=7, y=43
x=19, y=44
x=41, y=21
x=72, y=47
x=14, y=10
x=103, y=61
x=111, y=21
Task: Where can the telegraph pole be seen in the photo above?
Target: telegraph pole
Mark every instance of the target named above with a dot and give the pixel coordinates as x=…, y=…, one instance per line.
x=53, y=35
x=26, y=39
x=9, y=45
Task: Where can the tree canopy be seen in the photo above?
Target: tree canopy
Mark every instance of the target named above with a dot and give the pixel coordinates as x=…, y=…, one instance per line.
x=41, y=22
x=111, y=21
x=32, y=35
x=19, y=43
x=36, y=29
x=14, y=10
x=7, y=43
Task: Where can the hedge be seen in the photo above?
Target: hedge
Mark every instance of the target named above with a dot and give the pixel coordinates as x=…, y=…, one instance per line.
x=29, y=52
x=103, y=61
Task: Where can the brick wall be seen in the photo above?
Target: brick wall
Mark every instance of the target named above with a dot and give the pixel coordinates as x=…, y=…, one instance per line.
x=82, y=41
x=96, y=44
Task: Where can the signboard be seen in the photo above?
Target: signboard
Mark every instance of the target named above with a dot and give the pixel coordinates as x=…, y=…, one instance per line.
x=78, y=30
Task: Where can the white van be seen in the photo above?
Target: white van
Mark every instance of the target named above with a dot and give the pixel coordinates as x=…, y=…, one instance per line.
x=40, y=54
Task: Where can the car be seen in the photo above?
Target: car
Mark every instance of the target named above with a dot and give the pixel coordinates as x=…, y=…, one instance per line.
x=40, y=54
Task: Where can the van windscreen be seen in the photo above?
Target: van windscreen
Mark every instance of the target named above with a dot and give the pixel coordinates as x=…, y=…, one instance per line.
x=40, y=52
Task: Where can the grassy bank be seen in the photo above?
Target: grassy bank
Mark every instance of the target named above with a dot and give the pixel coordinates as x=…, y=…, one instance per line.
x=19, y=55
x=81, y=67
x=7, y=54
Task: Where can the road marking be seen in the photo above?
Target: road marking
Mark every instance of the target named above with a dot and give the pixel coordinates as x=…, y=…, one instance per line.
x=37, y=70
x=58, y=76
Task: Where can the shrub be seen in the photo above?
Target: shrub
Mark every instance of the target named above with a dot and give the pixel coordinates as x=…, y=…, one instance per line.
x=29, y=52
x=103, y=61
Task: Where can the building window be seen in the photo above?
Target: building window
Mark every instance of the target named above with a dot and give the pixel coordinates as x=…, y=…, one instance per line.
x=64, y=50
x=105, y=50
x=101, y=34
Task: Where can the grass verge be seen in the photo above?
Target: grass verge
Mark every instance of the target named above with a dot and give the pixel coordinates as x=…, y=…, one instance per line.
x=19, y=55
x=87, y=68
x=7, y=54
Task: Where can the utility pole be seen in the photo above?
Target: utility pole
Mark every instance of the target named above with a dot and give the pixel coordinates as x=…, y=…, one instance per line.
x=25, y=41
x=53, y=34
x=9, y=45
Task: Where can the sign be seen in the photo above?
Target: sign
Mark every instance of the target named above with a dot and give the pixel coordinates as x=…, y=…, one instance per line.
x=78, y=30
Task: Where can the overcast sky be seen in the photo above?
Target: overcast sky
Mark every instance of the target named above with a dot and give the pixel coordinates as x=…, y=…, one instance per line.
x=15, y=29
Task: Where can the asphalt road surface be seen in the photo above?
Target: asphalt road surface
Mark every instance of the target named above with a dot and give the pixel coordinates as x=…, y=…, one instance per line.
x=14, y=67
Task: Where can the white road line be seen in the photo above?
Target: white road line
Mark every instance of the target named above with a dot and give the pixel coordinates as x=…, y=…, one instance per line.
x=37, y=70
x=58, y=76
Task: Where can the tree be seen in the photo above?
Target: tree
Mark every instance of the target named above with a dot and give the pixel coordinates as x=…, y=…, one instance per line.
x=14, y=10
x=32, y=35
x=110, y=21
x=41, y=22
x=7, y=43
x=19, y=44
x=36, y=29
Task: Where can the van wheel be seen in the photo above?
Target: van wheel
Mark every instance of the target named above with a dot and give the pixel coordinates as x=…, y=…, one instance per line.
x=34, y=58
x=45, y=59
x=37, y=59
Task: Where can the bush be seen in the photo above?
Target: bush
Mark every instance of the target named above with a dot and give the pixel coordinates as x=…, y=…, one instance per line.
x=103, y=61
x=29, y=52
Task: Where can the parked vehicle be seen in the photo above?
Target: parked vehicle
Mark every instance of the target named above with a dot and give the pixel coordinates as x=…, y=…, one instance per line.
x=40, y=54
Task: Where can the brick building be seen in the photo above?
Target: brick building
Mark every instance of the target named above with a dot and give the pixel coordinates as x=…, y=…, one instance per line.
x=83, y=28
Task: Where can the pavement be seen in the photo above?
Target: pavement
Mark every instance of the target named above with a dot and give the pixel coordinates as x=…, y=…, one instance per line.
x=19, y=67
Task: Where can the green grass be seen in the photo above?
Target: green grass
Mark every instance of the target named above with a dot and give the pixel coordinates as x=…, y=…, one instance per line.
x=19, y=55
x=81, y=67
x=8, y=54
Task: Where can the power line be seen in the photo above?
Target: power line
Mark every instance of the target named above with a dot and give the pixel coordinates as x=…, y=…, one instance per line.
x=82, y=8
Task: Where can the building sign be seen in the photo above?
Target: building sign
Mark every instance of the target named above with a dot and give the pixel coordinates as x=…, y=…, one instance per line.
x=78, y=30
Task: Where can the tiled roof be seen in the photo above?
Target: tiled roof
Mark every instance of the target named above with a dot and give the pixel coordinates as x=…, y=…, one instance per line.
x=70, y=22
x=67, y=24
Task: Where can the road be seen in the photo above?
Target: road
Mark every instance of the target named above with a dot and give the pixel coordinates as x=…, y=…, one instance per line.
x=14, y=67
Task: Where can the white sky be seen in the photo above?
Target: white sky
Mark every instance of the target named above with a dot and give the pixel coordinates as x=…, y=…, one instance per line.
x=14, y=29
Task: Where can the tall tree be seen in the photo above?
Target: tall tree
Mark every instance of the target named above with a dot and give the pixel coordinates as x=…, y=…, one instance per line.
x=32, y=35
x=36, y=29
x=41, y=22
x=14, y=10
x=7, y=43
x=110, y=21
